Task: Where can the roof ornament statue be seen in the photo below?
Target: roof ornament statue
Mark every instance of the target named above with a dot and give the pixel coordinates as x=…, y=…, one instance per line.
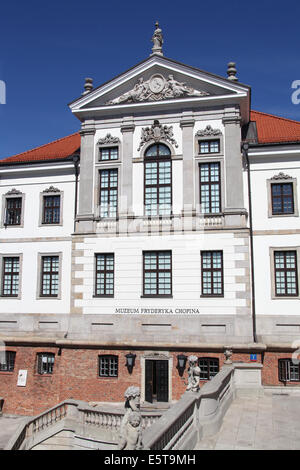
x=231, y=71
x=88, y=86
x=157, y=40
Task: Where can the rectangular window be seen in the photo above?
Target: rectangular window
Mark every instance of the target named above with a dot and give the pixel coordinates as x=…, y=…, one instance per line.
x=108, y=366
x=7, y=361
x=158, y=188
x=209, y=146
x=45, y=363
x=108, y=193
x=11, y=276
x=105, y=274
x=109, y=153
x=285, y=266
x=209, y=367
x=51, y=209
x=13, y=211
x=212, y=273
x=288, y=370
x=50, y=276
x=157, y=273
x=210, y=188
x=282, y=198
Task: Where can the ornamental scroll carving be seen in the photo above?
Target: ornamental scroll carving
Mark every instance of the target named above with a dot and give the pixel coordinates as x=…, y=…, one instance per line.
x=13, y=191
x=281, y=176
x=51, y=189
x=208, y=131
x=108, y=139
x=157, y=88
x=156, y=133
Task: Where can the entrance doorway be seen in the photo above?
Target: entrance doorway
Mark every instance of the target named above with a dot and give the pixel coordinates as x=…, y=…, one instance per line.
x=156, y=380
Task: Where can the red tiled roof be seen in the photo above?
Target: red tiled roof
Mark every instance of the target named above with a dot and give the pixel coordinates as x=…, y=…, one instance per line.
x=272, y=128
x=59, y=149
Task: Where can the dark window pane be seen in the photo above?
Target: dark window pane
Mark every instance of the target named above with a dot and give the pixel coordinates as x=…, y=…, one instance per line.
x=13, y=211
x=209, y=146
x=109, y=153
x=157, y=272
x=104, y=274
x=209, y=367
x=285, y=268
x=51, y=210
x=50, y=276
x=7, y=361
x=210, y=188
x=10, y=285
x=158, y=181
x=45, y=363
x=108, y=366
x=212, y=273
x=282, y=198
x=108, y=193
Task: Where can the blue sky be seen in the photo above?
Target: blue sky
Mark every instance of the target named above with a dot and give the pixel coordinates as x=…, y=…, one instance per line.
x=48, y=48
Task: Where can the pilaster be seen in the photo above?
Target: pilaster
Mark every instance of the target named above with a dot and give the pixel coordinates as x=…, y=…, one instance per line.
x=187, y=125
x=235, y=213
x=125, y=207
x=86, y=189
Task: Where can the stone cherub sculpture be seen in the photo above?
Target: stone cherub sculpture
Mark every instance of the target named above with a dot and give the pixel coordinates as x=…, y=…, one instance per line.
x=131, y=429
x=193, y=374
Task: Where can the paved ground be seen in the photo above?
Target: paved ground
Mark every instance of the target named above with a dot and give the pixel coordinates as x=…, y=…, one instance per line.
x=8, y=425
x=269, y=422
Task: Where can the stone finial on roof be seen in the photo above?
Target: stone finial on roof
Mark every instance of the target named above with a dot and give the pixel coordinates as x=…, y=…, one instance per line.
x=231, y=71
x=88, y=86
x=157, y=40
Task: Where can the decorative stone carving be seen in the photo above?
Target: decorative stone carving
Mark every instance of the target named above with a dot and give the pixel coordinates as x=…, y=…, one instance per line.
x=131, y=429
x=228, y=353
x=157, y=40
x=231, y=71
x=108, y=139
x=208, y=131
x=193, y=374
x=156, y=133
x=13, y=191
x=51, y=189
x=155, y=89
x=281, y=176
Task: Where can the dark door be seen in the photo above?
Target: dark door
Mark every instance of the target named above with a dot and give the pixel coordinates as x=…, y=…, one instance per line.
x=162, y=380
x=149, y=381
x=156, y=380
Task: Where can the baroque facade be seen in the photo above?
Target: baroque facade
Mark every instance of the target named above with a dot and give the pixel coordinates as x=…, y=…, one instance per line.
x=167, y=227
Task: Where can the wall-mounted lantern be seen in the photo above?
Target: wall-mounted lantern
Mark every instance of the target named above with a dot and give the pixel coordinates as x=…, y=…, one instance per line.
x=181, y=362
x=130, y=360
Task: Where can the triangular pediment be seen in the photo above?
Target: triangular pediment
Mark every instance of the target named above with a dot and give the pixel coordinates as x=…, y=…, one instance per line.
x=158, y=80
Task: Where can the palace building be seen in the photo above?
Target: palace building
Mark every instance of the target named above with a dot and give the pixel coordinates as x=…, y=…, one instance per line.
x=168, y=226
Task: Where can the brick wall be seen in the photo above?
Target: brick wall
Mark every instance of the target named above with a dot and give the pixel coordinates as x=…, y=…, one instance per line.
x=75, y=375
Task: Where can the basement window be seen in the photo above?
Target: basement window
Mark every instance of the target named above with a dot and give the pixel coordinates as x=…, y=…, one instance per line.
x=288, y=370
x=45, y=363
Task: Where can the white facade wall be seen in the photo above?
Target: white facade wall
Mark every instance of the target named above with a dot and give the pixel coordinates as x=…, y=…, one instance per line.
x=186, y=273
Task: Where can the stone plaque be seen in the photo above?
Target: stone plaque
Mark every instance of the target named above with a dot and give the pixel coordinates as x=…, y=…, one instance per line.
x=22, y=378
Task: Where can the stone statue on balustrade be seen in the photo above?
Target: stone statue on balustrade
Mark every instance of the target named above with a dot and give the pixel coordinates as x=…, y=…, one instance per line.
x=193, y=374
x=131, y=425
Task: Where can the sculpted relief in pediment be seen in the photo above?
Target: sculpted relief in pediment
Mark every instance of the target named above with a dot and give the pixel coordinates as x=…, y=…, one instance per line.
x=155, y=89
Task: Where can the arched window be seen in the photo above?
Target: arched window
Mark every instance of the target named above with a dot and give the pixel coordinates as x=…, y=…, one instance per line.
x=158, y=180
